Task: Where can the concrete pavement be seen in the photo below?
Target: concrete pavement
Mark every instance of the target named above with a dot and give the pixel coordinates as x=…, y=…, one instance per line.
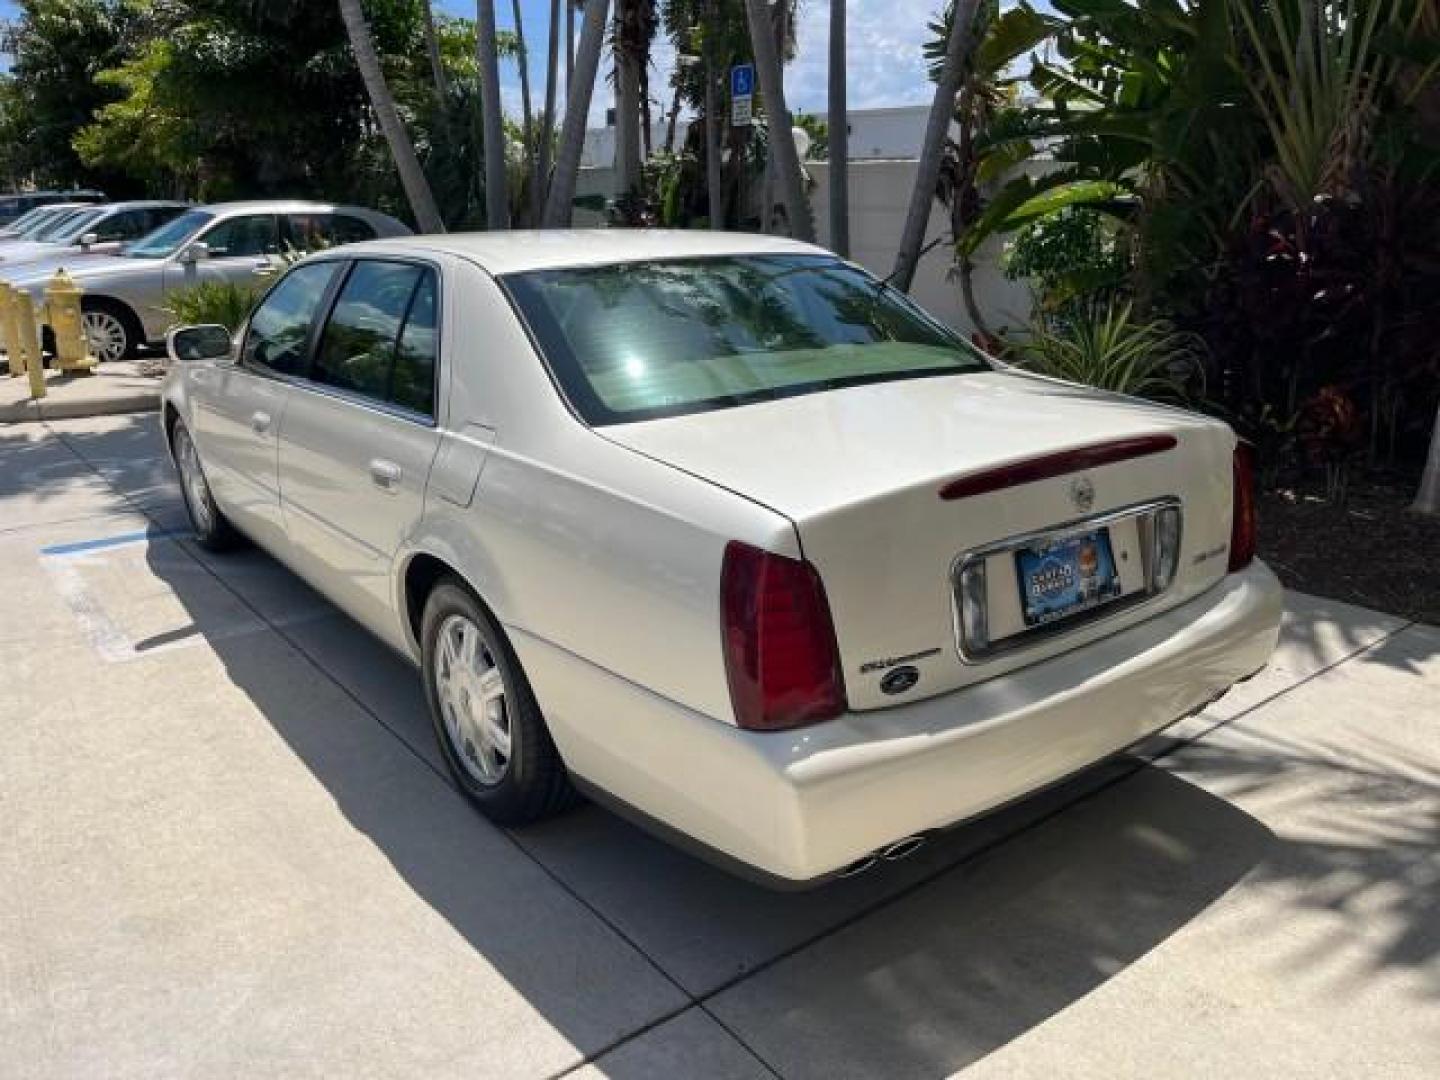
x=227, y=849
x=120, y=387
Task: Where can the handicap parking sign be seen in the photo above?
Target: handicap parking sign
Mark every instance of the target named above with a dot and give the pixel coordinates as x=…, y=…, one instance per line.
x=742, y=80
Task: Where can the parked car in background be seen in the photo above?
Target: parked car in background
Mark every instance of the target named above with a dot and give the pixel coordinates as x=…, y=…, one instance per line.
x=124, y=306
x=32, y=220
x=101, y=230
x=14, y=204
x=723, y=530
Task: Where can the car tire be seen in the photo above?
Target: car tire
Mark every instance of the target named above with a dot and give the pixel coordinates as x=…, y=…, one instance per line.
x=489, y=727
x=111, y=329
x=212, y=528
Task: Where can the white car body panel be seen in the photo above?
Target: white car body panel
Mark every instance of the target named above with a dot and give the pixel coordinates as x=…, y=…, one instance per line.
x=600, y=550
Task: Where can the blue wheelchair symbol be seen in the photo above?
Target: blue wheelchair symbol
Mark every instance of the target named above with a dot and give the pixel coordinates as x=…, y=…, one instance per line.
x=742, y=80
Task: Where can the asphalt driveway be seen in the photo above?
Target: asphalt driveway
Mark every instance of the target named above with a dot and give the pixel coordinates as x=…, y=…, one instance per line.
x=227, y=848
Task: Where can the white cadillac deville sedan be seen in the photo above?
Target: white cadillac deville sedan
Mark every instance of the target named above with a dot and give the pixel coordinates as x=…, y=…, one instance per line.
x=723, y=532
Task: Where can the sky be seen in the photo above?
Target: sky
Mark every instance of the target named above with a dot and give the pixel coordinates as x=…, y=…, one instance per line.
x=883, y=53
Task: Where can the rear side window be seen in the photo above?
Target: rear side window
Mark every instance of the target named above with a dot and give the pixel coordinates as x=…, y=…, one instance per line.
x=314, y=232
x=380, y=340
x=280, y=327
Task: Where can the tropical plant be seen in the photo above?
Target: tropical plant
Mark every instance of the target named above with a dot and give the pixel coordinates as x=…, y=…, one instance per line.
x=226, y=303
x=1069, y=257
x=958, y=45
x=497, y=207
x=1107, y=346
x=561, y=196
x=771, y=77
x=402, y=150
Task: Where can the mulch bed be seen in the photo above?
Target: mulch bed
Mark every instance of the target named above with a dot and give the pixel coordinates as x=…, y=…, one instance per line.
x=1371, y=551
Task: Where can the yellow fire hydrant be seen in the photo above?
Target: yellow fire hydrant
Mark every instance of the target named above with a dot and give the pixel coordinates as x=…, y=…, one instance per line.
x=27, y=338
x=8, y=337
x=72, y=347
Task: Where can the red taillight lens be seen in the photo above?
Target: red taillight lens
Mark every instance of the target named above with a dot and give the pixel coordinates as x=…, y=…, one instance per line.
x=780, y=652
x=1242, y=519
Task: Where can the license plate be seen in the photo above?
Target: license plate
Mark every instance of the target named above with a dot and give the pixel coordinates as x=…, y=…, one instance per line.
x=1067, y=577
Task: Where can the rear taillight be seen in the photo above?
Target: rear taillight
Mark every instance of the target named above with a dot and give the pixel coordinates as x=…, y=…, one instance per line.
x=779, y=641
x=1242, y=518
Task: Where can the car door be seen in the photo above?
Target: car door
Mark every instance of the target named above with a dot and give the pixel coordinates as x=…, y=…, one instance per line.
x=359, y=436
x=244, y=248
x=240, y=405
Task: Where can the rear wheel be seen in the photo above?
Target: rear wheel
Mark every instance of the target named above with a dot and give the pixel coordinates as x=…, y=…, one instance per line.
x=110, y=330
x=486, y=719
x=212, y=528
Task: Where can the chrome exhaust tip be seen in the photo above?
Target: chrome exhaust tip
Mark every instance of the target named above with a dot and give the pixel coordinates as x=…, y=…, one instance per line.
x=892, y=852
x=902, y=849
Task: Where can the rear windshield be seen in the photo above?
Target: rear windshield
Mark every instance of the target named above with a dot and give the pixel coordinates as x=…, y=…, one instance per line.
x=635, y=341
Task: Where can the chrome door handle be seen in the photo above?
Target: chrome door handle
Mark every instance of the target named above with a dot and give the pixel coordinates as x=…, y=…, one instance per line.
x=386, y=474
x=260, y=422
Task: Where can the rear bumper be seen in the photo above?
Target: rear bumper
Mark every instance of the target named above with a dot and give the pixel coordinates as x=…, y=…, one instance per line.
x=800, y=805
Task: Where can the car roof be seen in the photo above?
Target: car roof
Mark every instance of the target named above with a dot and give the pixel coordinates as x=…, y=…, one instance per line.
x=513, y=251
x=141, y=204
x=281, y=206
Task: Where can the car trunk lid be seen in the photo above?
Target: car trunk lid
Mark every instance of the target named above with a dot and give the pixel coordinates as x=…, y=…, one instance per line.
x=892, y=485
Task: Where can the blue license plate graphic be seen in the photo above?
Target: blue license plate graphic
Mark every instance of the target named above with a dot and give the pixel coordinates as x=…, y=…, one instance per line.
x=1066, y=577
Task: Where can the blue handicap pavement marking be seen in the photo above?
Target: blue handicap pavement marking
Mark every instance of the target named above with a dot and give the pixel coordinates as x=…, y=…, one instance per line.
x=742, y=80
x=110, y=541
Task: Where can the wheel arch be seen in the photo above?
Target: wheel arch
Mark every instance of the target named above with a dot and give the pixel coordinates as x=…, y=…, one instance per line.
x=121, y=308
x=423, y=570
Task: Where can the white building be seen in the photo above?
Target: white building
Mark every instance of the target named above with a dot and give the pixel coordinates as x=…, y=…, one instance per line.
x=875, y=134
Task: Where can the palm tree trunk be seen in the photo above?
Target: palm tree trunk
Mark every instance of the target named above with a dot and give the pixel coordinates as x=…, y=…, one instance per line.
x=402, y=150
x=497, y=201
x=569, y=45
x=577, y=111
x=432, y=49
x=782, y=146
x=839, y=135
x=527, y=114
x=547, y=122
x=672, y=118
x=627, y=103
x=714, y=190
x=942, y=110
x=1427, y=499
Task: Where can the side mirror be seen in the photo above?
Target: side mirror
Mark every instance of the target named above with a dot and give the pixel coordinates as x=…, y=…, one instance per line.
x=193, y=253
x=90, y=239
x=208, y=342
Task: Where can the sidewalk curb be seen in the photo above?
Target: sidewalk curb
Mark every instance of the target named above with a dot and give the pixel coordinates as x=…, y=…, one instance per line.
x=35, y=411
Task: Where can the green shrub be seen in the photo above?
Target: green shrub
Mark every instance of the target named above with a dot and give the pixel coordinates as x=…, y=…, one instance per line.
x=225, y=302
x=1105, y=346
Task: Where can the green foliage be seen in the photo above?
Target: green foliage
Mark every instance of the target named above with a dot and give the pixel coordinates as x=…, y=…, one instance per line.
x=1106, y=346
x=227, y=303
x=1068, y=256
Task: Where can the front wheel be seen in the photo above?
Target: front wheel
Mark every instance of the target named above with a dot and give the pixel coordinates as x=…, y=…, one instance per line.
x=212, y=528
x=487, y=722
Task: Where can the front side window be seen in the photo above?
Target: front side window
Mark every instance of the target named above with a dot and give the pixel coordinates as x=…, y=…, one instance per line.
x=168, y=239
x=280, y=326
x=249, y=236
x=380, y=340
x=637, y=341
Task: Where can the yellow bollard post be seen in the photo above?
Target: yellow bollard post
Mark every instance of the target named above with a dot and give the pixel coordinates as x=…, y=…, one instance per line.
x=27, y=336
x=72, y=347
x=16, y=362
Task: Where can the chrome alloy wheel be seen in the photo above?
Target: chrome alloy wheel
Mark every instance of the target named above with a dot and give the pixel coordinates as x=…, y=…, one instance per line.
x=473, y=700
x=106, y=334
x=192, y=482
